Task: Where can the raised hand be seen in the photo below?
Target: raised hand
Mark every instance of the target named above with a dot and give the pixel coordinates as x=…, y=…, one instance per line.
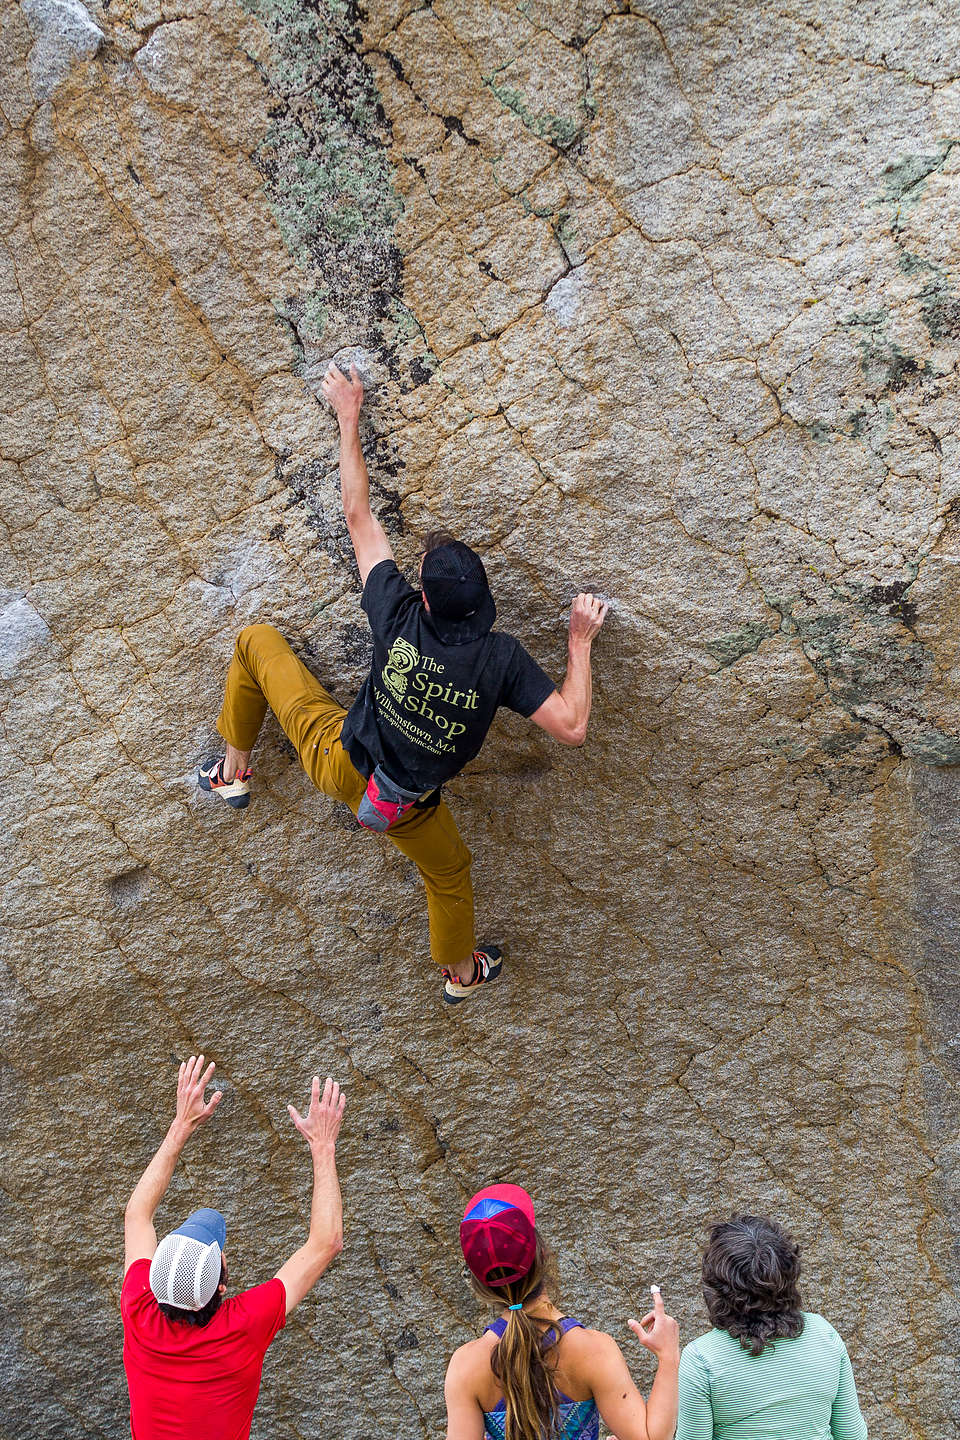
x=587, y=614
x=346, y=396
x=657, y=1331
x=322, y=1124
x=191, y=1083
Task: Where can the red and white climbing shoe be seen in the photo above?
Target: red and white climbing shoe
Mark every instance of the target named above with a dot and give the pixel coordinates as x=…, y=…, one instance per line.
x=235, y=792
x=487, y=964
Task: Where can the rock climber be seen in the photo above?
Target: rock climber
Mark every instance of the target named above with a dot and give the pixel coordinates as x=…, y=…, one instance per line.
x=439, y=673
x=193, y=1356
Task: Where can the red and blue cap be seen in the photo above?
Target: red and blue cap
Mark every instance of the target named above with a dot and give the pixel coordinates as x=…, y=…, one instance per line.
x=497, y=1236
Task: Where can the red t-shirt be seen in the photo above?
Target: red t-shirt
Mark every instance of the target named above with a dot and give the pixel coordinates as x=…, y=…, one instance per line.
x=195, y=1380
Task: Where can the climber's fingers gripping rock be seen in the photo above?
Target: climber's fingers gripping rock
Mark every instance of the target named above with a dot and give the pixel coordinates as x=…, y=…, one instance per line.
x=587, y=614
x=345, y=395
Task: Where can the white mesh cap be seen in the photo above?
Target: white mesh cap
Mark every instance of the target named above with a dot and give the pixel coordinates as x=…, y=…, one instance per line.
x=185, y=1273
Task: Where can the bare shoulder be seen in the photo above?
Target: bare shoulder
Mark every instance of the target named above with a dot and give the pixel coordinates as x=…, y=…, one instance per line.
x=584, y=1339
x=585, y=1352
x=471, y=1360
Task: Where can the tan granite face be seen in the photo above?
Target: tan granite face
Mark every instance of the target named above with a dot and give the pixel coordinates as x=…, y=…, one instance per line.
x=663, y=305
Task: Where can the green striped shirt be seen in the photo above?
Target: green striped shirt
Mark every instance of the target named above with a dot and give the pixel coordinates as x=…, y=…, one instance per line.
x=796, y=1390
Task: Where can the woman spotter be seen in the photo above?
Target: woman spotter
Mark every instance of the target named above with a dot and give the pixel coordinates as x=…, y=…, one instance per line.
x=535, y=1373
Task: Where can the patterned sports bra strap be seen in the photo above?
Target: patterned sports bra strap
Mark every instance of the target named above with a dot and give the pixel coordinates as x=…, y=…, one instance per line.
x=567, y=1322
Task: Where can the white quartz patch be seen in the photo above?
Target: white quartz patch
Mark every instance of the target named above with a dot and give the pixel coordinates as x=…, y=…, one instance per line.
x=64, y=32
x=22, y=631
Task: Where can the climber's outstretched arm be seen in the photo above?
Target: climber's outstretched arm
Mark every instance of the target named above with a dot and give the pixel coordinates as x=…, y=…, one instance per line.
x=370, y=543
x=565, y=713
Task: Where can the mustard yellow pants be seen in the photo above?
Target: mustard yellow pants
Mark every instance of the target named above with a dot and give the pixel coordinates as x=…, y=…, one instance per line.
x=264, y=671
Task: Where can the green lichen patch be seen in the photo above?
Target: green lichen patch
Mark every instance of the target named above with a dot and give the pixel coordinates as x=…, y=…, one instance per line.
x=904, y=179
x=843, y=740
x=325, y=168
x=860, y=639
x=939, y=302
x=329, y=181
x=727, y=649
x=561, y=131
x=885, y=366
x=932, y=747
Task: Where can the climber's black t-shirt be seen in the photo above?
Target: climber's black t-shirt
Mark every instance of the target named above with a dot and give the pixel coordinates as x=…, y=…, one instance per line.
x=426, y=706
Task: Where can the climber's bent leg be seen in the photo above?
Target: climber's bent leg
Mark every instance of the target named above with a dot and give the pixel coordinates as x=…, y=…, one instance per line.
x=431, y=840
x=265, y=672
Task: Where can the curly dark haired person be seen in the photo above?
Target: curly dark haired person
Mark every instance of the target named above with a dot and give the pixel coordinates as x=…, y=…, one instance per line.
x=768, y=1367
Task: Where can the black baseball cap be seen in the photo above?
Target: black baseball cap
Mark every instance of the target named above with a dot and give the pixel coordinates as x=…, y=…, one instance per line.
x=455, y=584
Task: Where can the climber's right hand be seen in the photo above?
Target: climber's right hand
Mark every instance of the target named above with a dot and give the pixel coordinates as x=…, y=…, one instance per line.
x=345, y=395
x=587, y=614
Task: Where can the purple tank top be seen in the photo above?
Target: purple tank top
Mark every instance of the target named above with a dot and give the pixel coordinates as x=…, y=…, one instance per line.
x=578, y=1419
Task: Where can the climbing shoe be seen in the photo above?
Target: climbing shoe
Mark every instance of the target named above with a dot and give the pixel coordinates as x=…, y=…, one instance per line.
x=235, y=792
x=487, y=964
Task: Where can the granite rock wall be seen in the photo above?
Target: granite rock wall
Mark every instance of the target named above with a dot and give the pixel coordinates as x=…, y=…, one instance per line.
x=662, y=302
